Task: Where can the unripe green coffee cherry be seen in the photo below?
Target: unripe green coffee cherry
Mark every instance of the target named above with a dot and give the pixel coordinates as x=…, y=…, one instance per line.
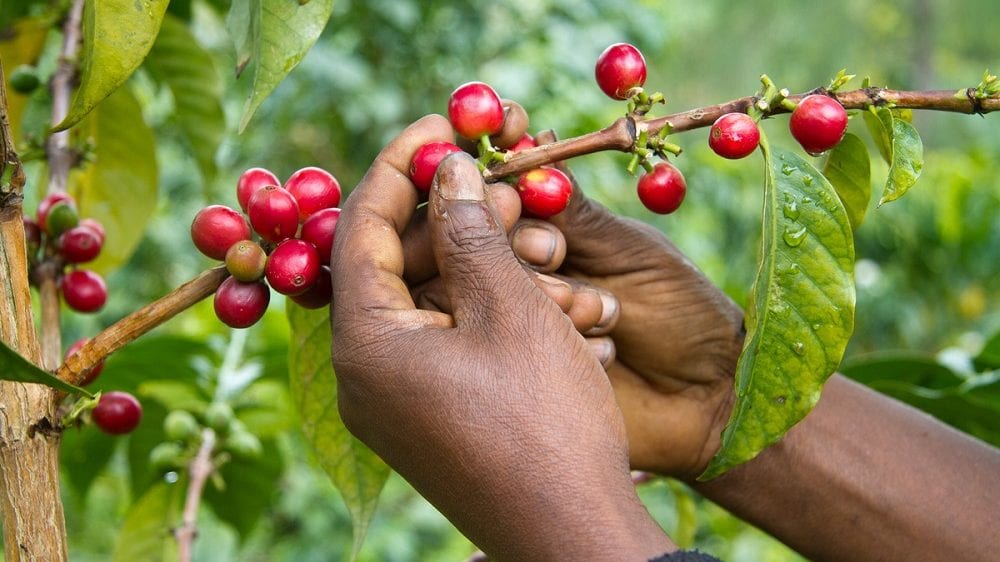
x=244, y=444
x=218, y=415
x=246, y=260
x=180, y=426
x=62, y=217
x=24, y=79
x=166, y=456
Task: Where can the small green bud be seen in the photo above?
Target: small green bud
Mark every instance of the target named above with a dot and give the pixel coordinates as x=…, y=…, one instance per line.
x=244, y=444
x=180, y=426
x=166, y=456
x=218, y=415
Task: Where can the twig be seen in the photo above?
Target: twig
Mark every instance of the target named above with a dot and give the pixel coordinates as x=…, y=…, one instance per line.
x=199, y=470
x=622, y=134
x=127, y=329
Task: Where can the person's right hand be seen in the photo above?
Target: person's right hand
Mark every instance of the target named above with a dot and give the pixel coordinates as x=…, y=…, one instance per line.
x=677, y=337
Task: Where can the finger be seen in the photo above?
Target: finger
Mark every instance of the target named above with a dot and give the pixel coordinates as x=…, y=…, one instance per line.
x=432, y=295
x=604, y=349
x=587, y=309
x=515, y=125
x=483, y=279
x=538, y=244
x=610, y=313
x=367, y=260
x=418, y=256
x=610, y=308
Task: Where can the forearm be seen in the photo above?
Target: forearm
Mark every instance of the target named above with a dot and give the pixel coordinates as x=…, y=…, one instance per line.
x=865, y=477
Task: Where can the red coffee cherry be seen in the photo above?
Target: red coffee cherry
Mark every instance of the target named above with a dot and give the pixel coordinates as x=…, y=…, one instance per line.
x=97, y=227
x=319, y=295
x=620, y=69
x=217, y=227
x=313, y=189
x=734, y=136
x=246, y=260
x=117, y=413
x=524, y=143
x=84, y=291
x=425, y=163
x=90, y=375
x=319, y=231
x=663, y=189
x=544, y=192
x=239, y=304
x=274, y=214
x=292, y=267
x=45, y=205
x=252, y=180
x=475, y=110
x=79, y=245
x=818, y=123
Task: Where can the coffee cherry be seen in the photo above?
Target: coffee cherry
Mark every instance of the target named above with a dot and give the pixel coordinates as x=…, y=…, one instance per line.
x=94, y=371
x=426, y=160
x=84, y=291
x=319, y=230
x=245, y=261
x=620, y=69
x=239, y=304
x=663, y=189
x=79, y=245
x=243, y=444
x=313, y=189
x=180, y=425
x=274, y=214
x=319, y=295
x=252, y=180
x=24, y=79
x=61, y=217
x=117, y=413
x=166, y=456
x=216, y=228
x=524, y=143
x=45, y=205
x=818, y=123
x=475, y=110
x=734, y=136
x=293, y=267
x=97, y=227
x=218, y=416
x=544, y=192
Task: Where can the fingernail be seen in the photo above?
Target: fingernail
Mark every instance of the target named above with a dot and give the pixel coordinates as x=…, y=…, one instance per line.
x=458, y=179
x=609, y=308
x=604, y=350
x=534, y=245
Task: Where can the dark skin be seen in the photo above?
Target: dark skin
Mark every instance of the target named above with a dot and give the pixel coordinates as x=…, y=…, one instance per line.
x=517, y=436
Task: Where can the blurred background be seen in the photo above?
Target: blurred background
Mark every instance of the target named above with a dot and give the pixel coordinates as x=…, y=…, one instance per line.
x=928, y=271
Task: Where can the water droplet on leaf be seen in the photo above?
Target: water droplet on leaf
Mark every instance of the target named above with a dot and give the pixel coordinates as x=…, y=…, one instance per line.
x=799, y=348
x=791, y=210
x=807, y=180
x=794, y=237
x=787, y=170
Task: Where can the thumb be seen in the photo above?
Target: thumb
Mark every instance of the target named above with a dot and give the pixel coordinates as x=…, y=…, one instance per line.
x=481, y=275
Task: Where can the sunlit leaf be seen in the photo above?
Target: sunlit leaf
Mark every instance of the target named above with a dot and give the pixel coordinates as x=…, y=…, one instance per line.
x=907, y=161
x=119, y=186
x=146, y=532
x=989, y=356
x=801, y=310
x=15, y=368
x=272, y=36
x=356, y=471
x=117, y=34
x=849, y=170
x=178, y=61
x=879, y=123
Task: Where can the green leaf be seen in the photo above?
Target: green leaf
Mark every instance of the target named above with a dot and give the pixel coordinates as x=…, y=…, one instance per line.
x=145, y=533
x=914, y=368
x=989, y=356
x=119, y=186
x=849, y=170
x=907, y=161
x=272, y=37
x=259, y=477
x=178, y=61
x=801, y=313
x=83, y=454
x=117, y=34
x=356, y=471
x=21, y=44
x=15, y=368
x=879, y=123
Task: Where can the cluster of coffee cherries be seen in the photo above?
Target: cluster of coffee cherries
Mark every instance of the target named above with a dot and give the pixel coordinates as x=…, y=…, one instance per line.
x=183, y=430
x=58, y=236
x=295, y=225
x=476, y=113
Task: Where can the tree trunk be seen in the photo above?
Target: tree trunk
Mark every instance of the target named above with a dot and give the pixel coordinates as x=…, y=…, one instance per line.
x=31, y=507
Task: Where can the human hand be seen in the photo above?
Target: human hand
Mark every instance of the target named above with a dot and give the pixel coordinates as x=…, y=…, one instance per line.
x=677, y=336
x=497, y=412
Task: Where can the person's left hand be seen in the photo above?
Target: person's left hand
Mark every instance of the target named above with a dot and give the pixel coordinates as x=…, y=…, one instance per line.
x=498, y=413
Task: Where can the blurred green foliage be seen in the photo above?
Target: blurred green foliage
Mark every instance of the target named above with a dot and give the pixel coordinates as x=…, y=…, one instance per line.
x=929, y=265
